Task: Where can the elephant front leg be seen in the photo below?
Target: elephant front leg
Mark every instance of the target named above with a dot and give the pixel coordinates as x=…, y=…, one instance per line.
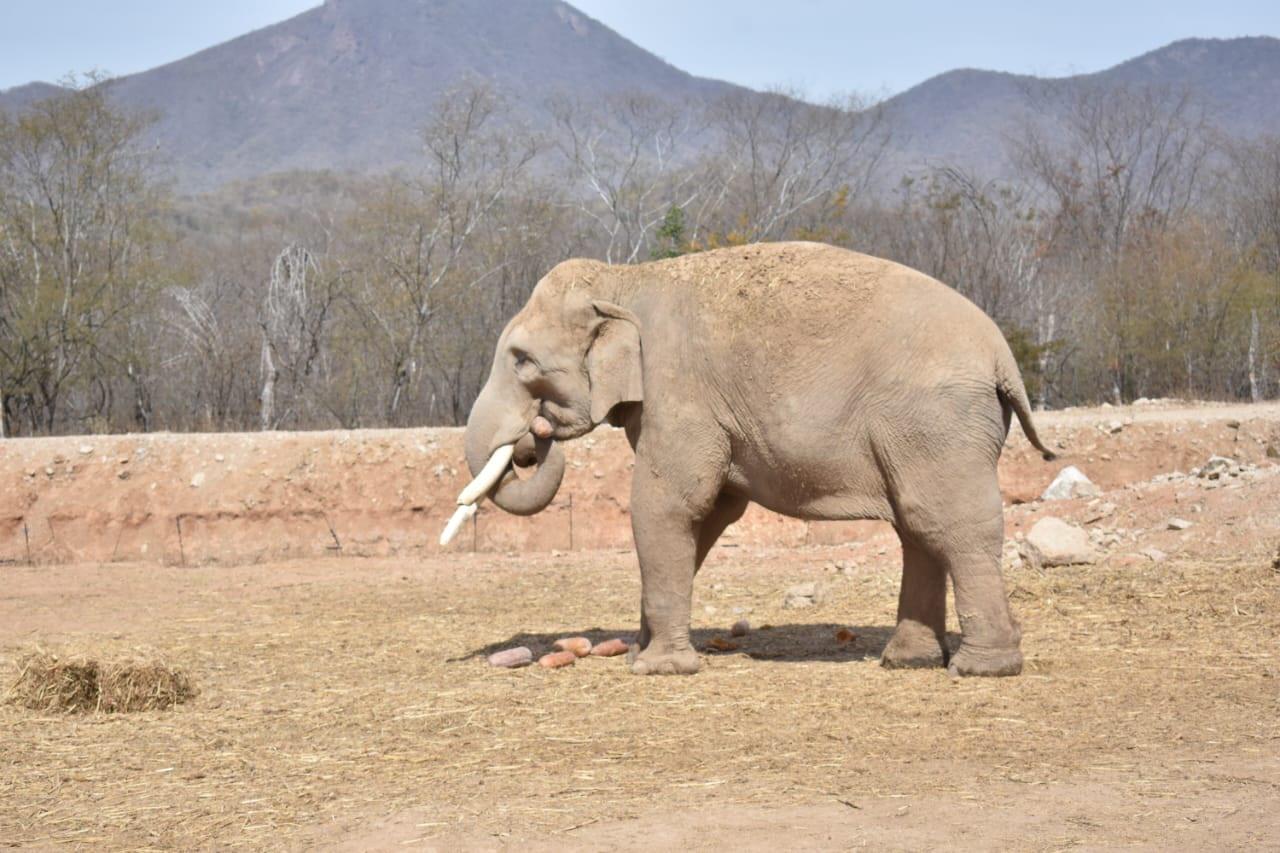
x=666, y=534
x=727, y=510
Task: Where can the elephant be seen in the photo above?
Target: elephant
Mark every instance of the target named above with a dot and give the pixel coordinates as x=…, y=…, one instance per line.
x=815, y=381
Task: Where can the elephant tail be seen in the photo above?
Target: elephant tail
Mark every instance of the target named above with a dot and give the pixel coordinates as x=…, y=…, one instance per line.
x=1013, y=394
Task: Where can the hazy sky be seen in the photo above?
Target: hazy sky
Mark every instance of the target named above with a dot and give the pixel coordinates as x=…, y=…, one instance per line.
x=822, y=46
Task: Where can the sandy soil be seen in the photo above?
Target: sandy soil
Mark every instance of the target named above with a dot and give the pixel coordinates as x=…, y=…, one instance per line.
x=345, y=702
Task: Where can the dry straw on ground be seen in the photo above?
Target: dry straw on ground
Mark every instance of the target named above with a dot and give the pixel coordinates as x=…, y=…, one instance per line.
x=76, y=684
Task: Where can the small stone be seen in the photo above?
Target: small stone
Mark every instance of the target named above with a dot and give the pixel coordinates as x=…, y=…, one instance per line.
x=48, y=471
x=86, y=449
x=740, y=628
x=1178, y=524
x=1099, y=512
x=1215, y=468
x=1155, y=555
x=802, y=595
x=198, y=480
x=1233, y=424
x=511, y=658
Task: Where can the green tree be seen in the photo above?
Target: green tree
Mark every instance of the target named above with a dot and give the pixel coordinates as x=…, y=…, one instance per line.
x=671, y=237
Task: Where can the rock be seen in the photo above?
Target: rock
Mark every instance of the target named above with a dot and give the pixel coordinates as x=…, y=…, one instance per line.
x=511, y=658
x=1010, y=556
x=86, y=449
x=1054, y=542
x=740, y=628
x=1216, y=468
x=1112, y=427
x=1099, y=511
x=1233, y=424
x=802, y=595
x=1070, y=483
x=198, y=480
x=1177, y=524
x=580, y=646
x=1155, y=555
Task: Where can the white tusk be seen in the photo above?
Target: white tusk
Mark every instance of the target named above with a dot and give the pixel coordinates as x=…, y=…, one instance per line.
x=460, y=516
x=489, y=474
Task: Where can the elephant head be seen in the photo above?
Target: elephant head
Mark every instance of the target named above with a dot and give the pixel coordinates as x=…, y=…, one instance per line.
x=562, y=365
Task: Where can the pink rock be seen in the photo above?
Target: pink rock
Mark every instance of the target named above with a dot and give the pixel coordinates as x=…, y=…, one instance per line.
x=511, y=658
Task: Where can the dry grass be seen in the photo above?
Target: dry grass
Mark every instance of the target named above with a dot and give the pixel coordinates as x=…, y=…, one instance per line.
x=359, y=689
x=70, y=683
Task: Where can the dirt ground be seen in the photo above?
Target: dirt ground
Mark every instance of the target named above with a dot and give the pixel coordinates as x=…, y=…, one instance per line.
x=345, y=702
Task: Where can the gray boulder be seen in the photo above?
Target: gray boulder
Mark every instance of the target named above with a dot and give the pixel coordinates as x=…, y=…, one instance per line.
x=1054, y=542
x=1070, y=483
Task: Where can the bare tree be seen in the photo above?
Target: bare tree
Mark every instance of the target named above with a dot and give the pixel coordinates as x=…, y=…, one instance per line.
x=417, y=231
x=295, y=314
x=779, y=156
x=1119, y=165
x=77, y=229
x=630, y=160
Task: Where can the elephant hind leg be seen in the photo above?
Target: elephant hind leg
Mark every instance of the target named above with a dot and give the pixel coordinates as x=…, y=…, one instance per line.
x=919, y=638
x=956, y=518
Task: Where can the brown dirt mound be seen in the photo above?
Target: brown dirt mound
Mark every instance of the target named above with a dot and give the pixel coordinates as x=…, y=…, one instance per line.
x=76, y=684
x=192, y=500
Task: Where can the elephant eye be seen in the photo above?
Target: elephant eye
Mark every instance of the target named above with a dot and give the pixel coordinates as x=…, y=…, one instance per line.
x=524, y=363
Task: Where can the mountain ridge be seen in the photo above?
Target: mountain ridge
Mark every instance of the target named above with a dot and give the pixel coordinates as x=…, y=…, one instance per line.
x=347, y=86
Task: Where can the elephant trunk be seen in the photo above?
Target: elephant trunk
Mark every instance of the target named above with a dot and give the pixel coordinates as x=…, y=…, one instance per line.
x=490, y=428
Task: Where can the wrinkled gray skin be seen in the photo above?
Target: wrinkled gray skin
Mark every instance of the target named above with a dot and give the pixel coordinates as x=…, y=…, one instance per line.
x=817, y=382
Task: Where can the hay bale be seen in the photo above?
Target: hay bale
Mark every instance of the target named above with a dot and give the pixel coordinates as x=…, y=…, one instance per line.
x=75, y=684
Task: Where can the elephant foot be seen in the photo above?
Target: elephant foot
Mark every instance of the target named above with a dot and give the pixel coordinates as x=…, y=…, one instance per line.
x=985, y=662
x=912, y=648
x=654, y=662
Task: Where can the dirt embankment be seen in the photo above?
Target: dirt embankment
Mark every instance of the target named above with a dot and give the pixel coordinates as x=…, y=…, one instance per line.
x=192, y=499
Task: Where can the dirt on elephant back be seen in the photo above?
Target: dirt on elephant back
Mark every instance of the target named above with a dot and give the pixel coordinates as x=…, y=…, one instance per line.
x=344, y=701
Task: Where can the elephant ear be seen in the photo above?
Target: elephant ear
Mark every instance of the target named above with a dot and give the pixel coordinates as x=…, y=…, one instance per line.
x=613, y=361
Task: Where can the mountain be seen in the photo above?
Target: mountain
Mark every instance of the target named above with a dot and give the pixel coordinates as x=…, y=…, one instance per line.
x=22, y=96
x=348, y=85
x=965, y=117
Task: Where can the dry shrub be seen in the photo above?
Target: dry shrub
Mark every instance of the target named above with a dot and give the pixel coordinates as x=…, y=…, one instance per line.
x=75, y=684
